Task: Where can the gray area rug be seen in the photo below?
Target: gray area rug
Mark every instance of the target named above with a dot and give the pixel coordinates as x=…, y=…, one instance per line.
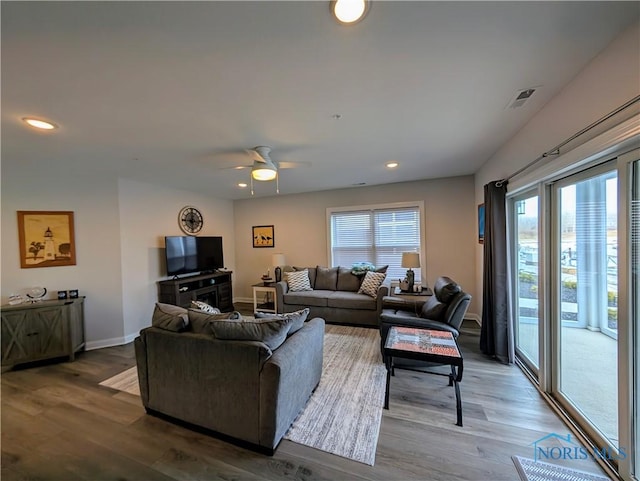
x=343, y=415
x=530, y=470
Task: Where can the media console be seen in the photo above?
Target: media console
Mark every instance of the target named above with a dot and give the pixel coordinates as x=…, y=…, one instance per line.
x=214, y=289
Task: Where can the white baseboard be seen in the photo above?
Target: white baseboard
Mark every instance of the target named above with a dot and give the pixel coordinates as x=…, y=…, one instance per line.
x=247, y=300
x=473, y=317
x=115, y=341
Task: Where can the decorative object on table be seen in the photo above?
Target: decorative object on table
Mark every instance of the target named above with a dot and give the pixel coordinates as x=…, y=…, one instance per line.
x=267, y=277
x=263, y=236
x=15, y=299
x=73, y=294
x=36, y=294
x=46, y=239
x=410, y=260
x=62, y=295
x=190, y=220
x=278, y=260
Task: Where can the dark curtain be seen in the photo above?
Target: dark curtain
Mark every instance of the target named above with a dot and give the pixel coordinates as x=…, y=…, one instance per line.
x=496, y=334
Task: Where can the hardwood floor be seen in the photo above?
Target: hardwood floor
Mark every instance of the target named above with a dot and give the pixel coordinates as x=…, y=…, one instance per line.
x=59, y=424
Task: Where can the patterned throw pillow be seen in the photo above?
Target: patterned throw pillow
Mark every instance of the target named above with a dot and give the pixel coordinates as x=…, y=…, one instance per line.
x=298, y=281
x=371, y=282
x=297, y=317
x=204, y=307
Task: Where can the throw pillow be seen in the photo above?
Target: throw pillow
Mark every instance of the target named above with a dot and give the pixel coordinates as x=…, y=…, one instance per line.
x=272, y=332
x=170, y=317
x=297, y=318
x=433, y=309
x=361, y=268
x=201, y=321
x=298, y=281
x=371, y=283
x=347, y=280
x=203, y=306
x=326, y=278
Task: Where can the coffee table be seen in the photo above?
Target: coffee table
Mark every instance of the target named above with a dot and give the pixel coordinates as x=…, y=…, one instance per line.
x=438, y=347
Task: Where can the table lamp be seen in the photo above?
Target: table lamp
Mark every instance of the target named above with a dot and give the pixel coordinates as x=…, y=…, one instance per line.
x=277, y=260
x=410, y=260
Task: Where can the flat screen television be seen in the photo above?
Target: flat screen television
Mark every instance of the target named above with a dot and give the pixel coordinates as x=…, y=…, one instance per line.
x=188, y=254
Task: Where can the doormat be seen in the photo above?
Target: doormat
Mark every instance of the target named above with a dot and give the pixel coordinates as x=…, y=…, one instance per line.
x=530, y=470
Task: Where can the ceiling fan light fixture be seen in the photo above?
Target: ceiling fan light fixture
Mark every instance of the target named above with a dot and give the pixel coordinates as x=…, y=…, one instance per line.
x=349, y=11
x=264, y=171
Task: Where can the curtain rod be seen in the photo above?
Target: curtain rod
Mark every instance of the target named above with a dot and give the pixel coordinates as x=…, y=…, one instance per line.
x=556, y=149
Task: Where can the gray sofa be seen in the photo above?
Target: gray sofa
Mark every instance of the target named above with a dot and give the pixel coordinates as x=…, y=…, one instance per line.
x=238, y=388
x=334, y=297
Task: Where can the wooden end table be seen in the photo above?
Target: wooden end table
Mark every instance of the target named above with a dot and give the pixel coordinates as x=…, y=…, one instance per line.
x=428, y=345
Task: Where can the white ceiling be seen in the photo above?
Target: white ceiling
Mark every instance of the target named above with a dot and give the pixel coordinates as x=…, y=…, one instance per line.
x=173, y=92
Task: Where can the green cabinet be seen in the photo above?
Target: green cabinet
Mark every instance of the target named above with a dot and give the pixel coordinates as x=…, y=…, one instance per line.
x=42, y=330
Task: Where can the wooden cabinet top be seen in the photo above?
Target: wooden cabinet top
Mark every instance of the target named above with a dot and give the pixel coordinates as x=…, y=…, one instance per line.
x=40, y=304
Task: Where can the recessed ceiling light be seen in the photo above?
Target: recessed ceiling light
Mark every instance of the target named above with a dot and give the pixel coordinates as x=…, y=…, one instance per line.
x=39, y=124
x=392, y=165
x=349, y=11
x=242, y=185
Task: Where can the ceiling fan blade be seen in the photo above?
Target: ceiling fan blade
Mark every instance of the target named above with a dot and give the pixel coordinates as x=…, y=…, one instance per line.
x=236, y=167
x=292, y=165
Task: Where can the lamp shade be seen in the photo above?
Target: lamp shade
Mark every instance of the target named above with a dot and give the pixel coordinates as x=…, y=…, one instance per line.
x=277, y=260
x=410, y=259
x=263, y=171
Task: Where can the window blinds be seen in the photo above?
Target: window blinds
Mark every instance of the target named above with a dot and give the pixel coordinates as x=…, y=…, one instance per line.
x=379, y=236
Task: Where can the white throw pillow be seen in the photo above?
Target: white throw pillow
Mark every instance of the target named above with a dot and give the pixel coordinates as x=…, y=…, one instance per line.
x=371, y=282
x=298, y=281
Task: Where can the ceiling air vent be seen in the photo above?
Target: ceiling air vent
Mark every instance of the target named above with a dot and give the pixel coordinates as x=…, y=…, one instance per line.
x=521, y=97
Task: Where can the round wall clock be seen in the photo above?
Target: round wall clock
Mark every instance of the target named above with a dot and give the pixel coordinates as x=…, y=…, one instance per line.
x=190, y=220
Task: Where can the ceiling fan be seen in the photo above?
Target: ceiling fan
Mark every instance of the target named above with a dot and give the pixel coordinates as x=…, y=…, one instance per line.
x=264, y=168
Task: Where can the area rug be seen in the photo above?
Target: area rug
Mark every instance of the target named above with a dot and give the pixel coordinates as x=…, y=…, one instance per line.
x=530, y=470
x=343, y=415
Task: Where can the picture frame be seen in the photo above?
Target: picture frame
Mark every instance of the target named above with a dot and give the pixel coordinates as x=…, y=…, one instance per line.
x=47, y=239
x=263, y=236
x=481, y=224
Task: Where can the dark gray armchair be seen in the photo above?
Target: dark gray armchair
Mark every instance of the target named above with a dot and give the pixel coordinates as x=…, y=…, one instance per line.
x=444, y=311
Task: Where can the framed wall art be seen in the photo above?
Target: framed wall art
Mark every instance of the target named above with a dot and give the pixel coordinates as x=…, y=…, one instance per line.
x=46, y=239
x=263, y=236
x=481, y=224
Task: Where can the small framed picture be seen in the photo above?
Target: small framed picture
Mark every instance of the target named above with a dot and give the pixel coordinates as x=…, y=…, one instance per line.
x=73, y=294
x=263, y=236
x=62, y=295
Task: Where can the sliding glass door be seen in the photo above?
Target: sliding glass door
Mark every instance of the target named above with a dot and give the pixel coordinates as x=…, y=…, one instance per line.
x=526, y=287
x=585, y=272
x=635, y=309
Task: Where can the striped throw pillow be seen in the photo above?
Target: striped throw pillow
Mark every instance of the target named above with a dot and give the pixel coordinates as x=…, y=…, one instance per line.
x=371, y=282
x=298, y=281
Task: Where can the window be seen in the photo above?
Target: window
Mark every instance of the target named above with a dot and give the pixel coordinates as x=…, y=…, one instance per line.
x=376, y=234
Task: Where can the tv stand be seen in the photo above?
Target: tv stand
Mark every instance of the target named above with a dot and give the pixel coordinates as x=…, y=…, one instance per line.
x=213, y=288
